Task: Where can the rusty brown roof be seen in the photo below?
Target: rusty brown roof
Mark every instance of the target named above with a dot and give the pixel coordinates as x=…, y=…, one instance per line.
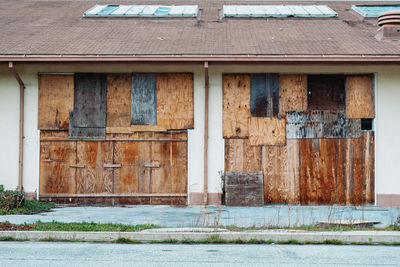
x=30, y=27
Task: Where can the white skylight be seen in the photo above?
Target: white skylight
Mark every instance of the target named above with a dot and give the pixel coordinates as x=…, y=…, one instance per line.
x=277, y=11
x=373, y=11
x=142, y=11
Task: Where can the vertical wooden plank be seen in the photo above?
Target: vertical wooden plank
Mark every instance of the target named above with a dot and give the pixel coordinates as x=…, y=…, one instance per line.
x=144, y=99
x=264, y=95
x=126, y=178
x=119, y=100
x=236, y=105
x=56, y=174
x=280, y=165
x=94, y=178
x=305, y=171
x=240, y=156
x=327, y=164
x=144, y=173
x=293, y=93
x=179, y=167
x=340, y=172
x=56, y=99
x=369, y=167
x=175, y=106
x=349, y=170
x=358, y=183
x=267, y=131
x=360, y=97
x=161, y=177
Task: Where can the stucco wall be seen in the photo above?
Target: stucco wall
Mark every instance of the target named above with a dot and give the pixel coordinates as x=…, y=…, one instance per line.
x=386, y=123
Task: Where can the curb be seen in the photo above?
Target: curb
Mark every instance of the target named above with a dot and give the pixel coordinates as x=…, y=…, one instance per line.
x=373, y=237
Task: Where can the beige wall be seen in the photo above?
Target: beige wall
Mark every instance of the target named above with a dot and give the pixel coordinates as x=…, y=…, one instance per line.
x=387, y=120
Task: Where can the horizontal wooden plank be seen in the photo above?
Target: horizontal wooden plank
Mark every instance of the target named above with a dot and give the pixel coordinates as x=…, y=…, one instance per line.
x=113, y=195
x=108, y=165
x=137, y=128
x=321, y=124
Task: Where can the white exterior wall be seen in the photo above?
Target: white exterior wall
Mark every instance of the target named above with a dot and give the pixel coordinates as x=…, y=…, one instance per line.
x=387, y=124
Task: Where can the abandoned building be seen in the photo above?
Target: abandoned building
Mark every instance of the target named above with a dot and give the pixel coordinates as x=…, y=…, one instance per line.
x=201, y=102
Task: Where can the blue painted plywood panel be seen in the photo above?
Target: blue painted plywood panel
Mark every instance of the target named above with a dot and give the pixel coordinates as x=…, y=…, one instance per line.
x=144, y=99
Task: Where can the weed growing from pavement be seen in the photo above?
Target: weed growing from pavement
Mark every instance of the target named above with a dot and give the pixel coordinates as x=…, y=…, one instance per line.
x=10, y=238
x=123, y=240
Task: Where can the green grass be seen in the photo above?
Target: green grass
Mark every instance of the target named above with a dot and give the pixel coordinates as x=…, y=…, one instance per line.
x=30, y=207
x=313, y=228
x=89, y=227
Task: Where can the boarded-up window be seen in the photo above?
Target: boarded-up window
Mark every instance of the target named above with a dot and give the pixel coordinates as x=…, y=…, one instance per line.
x=326, y=92
x=88, y=119
x=144, y=99
x=360, y=97
x=56, y=99
x=264, y=95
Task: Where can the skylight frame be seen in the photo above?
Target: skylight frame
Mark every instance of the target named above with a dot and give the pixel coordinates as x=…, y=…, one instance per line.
x=142, y=11
x=278, y=11
x=365, y=14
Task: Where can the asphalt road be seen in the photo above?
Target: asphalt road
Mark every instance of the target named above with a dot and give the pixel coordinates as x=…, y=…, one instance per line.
x=96, y=254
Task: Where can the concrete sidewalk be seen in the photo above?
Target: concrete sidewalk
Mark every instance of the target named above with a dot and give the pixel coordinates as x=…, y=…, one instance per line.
x=193, y=216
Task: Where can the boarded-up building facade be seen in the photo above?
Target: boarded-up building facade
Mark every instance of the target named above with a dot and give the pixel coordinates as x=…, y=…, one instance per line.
x=198, y=109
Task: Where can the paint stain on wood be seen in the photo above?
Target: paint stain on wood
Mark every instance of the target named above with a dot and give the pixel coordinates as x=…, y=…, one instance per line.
x=267, y=131
x=119, y=100
x=236, y=105
x=56, y=99
x=360, y=96
x=264, y=93
x=144, y=99
x=175, y=103
x=321, y=124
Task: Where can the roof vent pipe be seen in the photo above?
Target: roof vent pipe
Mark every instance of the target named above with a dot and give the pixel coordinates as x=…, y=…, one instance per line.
x=389, y=23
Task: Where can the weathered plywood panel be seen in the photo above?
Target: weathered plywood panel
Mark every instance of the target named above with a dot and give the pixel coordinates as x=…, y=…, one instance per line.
x=161, y=181
x=337, y=171
x=326, y=92
x=88, y=119
x=119, y=100
x=240, y=156
x=56, y=173
x=292, y=93
x=56, y=99
x=144, y=99
x=93, y=177
x=243, y=188
x=267, y=131
x=264, y=94
x=360, y=97
x=236, y=106
x=179, y=167
x=280, y=165
x=321, y=124
x=175, y=108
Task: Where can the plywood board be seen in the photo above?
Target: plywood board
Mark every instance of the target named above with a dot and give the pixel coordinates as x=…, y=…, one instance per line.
x=56, y=174
x=267, y=131
x=175, y=106
x=321, y=124
x=337, y=171
x=144, y=99
x=280, y=165
x=236, y=105
x=56, y=99
x=243, y=188
x=93, y=177
x=264, y=94
x=360, y=97
x=119, y=100
x=240, y=156
x=292, y=93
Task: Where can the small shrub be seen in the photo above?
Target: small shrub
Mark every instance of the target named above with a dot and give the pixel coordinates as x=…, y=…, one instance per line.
x=11, y=199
